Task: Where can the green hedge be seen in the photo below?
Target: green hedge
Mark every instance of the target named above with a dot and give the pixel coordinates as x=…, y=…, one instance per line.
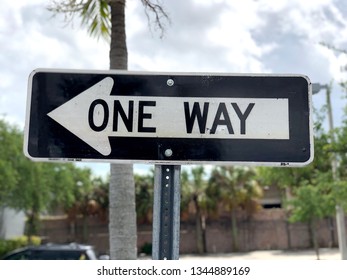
x=9, y=245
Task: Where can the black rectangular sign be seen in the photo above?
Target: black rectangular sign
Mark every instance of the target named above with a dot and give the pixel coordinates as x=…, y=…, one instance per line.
x=175, y=118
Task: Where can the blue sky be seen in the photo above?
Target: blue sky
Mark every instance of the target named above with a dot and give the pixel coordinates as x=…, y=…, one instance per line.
x=264, y=36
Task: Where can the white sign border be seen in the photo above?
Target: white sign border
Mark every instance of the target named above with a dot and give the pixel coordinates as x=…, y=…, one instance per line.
x=163, y=162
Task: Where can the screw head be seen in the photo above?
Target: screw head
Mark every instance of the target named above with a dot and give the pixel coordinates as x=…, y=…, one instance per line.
x=170, y=82
x=168, y=153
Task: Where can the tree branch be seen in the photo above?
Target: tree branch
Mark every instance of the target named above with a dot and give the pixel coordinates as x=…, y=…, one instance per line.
x=159, y=14
x=67, y=7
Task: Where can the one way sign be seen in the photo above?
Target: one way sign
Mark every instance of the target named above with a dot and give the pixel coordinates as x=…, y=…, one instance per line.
x=169, y=118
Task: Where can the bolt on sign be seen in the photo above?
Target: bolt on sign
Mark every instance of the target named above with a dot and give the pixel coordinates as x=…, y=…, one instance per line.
x=169, y=118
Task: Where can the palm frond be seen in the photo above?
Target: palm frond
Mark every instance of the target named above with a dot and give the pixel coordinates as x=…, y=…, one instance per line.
x=95, y=14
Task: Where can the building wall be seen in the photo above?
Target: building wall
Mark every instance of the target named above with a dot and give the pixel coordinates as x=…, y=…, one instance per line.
x=12, y=223
x=266, y=230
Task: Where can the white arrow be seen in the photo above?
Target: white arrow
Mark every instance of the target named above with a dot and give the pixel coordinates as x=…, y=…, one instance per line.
x=73, y=115
x=94, y=116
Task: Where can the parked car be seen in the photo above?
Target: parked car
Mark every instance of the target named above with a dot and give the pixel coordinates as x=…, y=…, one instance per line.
x=72, y=251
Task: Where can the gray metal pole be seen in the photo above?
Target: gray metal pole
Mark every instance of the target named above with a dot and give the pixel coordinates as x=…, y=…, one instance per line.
x=340, y=215
x=166, y=212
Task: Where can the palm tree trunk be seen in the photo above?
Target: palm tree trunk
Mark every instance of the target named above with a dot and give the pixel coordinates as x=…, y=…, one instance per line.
x=288, y=232
x=118, y=48
x=200, y=229
x=85, y=229
x=234, y=231
x=122, y=224
x=314, y=238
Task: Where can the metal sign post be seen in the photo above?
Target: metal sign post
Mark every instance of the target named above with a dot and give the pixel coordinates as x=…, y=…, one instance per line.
x=166, y=212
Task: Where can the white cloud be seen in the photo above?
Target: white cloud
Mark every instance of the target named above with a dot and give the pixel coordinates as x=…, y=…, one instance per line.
x=204, y=36
x=30, y=37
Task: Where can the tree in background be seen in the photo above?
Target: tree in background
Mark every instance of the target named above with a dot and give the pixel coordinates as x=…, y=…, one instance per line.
x=100, y=196
x=235, y=187
x=144, y=190
x=10, y=158
x=311, y=187
x=310, y=204
x=106, y=18
x=35, y=187
x=194, y=190
x=91, y=202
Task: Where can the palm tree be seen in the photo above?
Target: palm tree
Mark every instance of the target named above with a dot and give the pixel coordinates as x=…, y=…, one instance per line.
x=106, y=18
x=144, y=188
x=236, y=189
x=194, y=190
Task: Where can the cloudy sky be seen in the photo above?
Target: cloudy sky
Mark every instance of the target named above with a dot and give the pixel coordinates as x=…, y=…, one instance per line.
x=228, y=36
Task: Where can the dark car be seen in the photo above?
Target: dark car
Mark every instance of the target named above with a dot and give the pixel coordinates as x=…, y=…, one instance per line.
x=72, y=251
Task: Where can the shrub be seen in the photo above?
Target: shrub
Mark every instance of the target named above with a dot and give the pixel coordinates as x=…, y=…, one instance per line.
x=9, y=245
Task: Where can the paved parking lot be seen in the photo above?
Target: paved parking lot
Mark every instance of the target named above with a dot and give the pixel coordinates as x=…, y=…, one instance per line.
x=325, y=254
